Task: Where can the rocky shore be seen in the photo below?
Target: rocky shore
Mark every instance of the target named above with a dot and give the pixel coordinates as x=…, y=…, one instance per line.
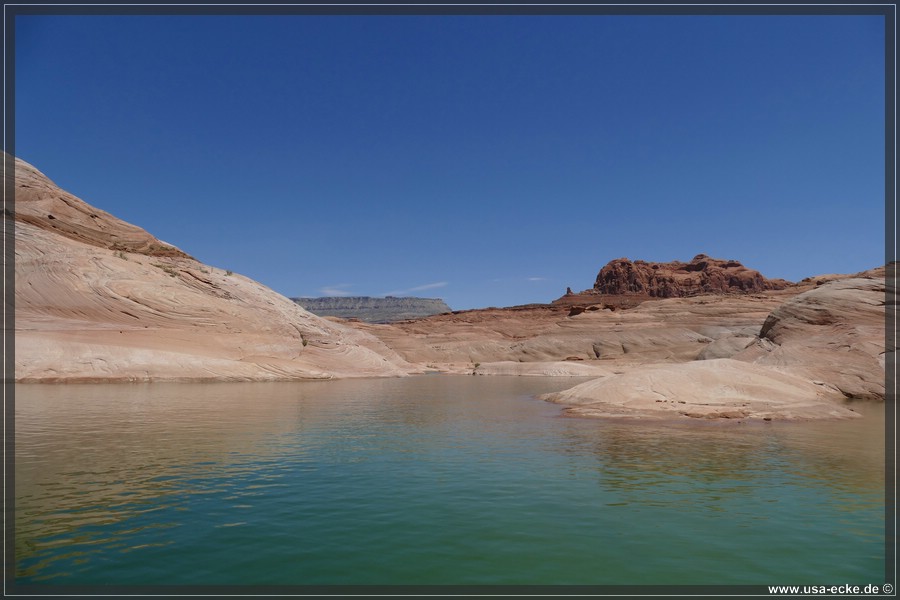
x=98, y=299
x=780, y=351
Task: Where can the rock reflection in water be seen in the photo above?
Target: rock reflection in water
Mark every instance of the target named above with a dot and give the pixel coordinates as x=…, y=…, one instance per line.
x=424, y=480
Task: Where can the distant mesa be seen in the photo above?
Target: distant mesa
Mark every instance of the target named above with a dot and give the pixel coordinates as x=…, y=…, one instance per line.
x=370, y=309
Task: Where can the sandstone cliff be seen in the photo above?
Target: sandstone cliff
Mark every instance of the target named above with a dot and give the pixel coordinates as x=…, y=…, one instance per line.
x=785, y=351
x=813, y=350
x=833, y=334
x=98, y=299
x=703, y=275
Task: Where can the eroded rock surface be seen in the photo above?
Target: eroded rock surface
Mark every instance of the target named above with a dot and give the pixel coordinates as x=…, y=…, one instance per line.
x=833, y=334
x=703, y=275
x=98, y=299
x=669, y=330
x=807, y=346
x=711, y=389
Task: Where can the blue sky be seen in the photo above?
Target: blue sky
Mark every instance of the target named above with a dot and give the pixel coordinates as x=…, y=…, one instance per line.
x=487, y=160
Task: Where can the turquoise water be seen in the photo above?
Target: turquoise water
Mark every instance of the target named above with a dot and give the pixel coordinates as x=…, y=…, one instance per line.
x=429, y=480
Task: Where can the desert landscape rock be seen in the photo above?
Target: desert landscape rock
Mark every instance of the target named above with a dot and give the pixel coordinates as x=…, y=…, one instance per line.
x=703, y=275
x=98, y=299
x=834, y=334
x=670, y=330
x=712, y=389
x=808, y=346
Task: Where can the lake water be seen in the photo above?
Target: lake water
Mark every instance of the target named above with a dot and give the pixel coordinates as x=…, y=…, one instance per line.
x=429, y=480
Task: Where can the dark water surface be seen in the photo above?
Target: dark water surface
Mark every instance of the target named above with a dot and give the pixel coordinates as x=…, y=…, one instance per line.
x=429, y=480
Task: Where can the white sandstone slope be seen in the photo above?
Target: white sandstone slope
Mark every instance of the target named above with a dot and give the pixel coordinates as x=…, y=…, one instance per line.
x=834, y=334
x=98, y=299
x=813, y=351
x=709, y=389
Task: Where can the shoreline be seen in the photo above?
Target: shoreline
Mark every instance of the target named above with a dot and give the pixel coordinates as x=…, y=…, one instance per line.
x=720, y=414
x=101, y=301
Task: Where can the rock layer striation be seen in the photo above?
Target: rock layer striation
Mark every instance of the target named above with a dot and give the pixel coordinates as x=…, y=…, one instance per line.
x=785, y=351
x=374, y=310
x=98, y=299
x=703, y=275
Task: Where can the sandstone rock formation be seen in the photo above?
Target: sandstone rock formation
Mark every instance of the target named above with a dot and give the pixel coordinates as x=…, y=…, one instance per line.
x=98, y=299
x=703, y=275
x=542, y=337
x=834, y=334
x=800, y=351
x=712, y=389
x=812, y=351
x=374, y=310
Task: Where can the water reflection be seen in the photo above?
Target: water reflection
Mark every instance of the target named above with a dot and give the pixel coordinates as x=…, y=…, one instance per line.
x=769, y=485
x=839, y=455
x=400, y=481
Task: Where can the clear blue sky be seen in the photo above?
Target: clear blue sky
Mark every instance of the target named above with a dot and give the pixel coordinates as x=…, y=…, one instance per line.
x=487, y=160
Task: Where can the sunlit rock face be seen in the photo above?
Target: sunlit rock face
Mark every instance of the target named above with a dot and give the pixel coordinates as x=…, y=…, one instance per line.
x=833, y=334
x=98, y=299
x=712, y=389
x=703, y=275
x=798, y=352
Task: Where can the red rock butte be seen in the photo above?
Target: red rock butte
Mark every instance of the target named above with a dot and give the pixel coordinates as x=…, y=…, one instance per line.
x=623, y=283
x=703, y=275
